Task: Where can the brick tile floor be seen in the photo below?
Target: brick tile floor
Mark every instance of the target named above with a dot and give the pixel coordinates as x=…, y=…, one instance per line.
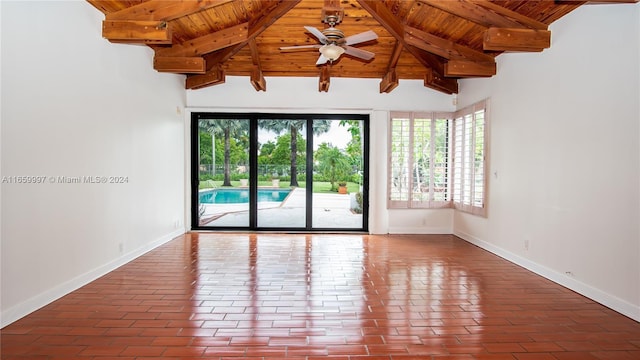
x=321, y=297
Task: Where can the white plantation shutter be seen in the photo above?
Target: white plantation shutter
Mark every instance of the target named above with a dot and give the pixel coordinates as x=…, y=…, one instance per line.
x=438, y=160
x=418, y=162
x=458, y=157
x=480, y=160
x=469, y=159
x=399, y=160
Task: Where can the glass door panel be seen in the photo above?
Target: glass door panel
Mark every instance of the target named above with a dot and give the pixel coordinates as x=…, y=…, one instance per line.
x=282, y=155
x=223, y=173
x=298, y=172
x=338, y=169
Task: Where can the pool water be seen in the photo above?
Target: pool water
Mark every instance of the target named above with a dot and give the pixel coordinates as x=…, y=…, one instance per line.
x=239, y=196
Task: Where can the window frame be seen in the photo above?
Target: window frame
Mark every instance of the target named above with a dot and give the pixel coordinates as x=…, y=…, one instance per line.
x=462, y=191
x=468, y=200
x=410, y=202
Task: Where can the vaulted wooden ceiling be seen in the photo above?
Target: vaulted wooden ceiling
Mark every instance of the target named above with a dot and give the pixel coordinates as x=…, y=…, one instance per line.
x=439, y=41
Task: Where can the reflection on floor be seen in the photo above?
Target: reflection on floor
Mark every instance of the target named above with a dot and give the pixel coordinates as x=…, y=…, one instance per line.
x=311, y=297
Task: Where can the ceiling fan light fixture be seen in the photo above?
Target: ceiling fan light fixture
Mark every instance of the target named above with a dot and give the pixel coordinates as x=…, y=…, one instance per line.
x=331, y=51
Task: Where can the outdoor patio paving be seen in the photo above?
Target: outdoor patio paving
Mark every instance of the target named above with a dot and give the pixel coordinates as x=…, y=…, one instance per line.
x=329, y=211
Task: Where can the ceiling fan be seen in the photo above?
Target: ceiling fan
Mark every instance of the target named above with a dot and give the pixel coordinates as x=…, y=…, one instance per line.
x=333, y=43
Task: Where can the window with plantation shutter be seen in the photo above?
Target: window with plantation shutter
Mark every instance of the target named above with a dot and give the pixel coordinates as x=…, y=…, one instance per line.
x=438, y=160
x=399, y=163
x=419, y=161
x=469, y=159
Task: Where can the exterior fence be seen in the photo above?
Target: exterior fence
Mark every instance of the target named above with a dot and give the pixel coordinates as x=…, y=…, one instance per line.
x=267, y=171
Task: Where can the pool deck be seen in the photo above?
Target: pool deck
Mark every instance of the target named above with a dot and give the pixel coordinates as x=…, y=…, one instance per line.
x=329, y=211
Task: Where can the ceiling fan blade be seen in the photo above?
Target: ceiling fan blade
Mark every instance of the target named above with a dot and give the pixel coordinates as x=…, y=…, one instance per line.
x=321, y=60
x=359, y=53
x=299, y=47
x=317, y=33
x=360, y=38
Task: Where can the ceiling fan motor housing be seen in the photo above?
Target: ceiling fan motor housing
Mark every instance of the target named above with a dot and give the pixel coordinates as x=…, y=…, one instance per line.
x=334, y=35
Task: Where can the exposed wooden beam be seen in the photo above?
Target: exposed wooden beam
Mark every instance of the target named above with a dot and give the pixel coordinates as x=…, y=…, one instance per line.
x=256, y=27
x=442, y=47
x=473, y=12
x=434, y=81
x=524, y=20
x=385, y=17
x=395, y=56
x=257, y=78
x=146, y=32
x=325, y=80
x=208, y=43
x=396, y=28
x=332, y=7
x=180, y=65
x=164, y=9
x=465, y=68
x=390, y=80
x=501, y=39
x=214, y=76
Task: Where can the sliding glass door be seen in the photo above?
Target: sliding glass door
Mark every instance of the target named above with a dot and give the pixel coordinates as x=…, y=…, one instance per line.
x=279, y=172
x=223, y=172
x=282, y=163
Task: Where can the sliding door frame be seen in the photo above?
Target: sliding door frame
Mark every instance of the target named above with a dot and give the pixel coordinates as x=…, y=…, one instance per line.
x=253, y=168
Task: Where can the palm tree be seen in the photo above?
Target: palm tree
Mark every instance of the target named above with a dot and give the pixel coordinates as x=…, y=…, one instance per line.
x=228, y=127
x=294, y=126
x=332, y=164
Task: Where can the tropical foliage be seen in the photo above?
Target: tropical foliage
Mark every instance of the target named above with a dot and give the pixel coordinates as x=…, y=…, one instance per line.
x=229, y=128
x=226, y=141
x=332, y=164
x=294, y=127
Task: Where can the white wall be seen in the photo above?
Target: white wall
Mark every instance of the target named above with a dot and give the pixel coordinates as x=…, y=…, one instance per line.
x=564, y=188
x=76, y=105
x=360, y=96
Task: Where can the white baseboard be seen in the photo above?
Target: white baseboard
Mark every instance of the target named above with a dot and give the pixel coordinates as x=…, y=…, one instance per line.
x=26, y=307
x=608, y=300
x=419, y=230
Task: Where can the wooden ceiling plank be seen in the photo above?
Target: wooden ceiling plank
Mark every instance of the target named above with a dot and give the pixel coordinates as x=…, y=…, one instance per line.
x=390, y=22
x=156, y=32
x=385, y=17
x=256, y=27
x=164, y=9
x=465, y=68
x=524, y=20
x=501, y=39
x=442, y=47
x=473, y=12
x=179, y=65
x=208, y=43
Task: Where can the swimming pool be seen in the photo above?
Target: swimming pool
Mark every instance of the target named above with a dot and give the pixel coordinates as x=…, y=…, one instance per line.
x=240, y=196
